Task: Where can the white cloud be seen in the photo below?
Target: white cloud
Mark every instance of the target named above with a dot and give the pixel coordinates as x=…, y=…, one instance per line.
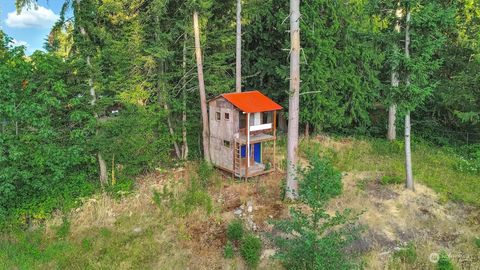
x=39, y=17
x=16, y=43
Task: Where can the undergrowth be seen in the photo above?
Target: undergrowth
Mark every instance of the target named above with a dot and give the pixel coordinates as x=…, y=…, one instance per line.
x=436, y=167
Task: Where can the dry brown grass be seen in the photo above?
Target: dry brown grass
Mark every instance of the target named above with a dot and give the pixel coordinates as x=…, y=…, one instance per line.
x=394, y=216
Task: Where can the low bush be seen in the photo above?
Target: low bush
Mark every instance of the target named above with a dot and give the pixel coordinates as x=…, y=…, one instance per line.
x=228, y=250
x=320, y=182
x=235, y=230
x=407, y=254
x=444, y=262
x=315, y=239
x=477, y=242
x=251, y=249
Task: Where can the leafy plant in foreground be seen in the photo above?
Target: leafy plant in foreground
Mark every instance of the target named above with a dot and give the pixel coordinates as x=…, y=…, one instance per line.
x=250, y=249
x=235, y=230
x=315, y=239
x=444, y=262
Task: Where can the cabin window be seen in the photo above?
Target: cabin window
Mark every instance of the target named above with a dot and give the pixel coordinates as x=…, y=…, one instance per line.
x=227, y=116
x=217, y=116
x=226, y=143
x=264, y=118
x=243, y=120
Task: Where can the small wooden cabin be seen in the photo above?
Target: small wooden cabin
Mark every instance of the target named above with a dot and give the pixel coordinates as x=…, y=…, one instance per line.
x=238, y=120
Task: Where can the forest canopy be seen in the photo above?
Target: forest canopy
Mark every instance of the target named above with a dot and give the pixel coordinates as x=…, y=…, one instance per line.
x=115, y=92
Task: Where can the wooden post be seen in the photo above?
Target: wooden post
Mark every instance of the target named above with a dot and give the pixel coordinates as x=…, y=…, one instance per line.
x=274, y=137
x=201, y=88
x=248, y=144
x=238, y=68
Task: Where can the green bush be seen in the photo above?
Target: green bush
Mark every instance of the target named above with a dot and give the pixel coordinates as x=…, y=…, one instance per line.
x=235, y=230
x=407, y=254
x=444, y=262
x=469, y=161
x=228, y=250
x=320, y=182
x=124, y=186
x=251, y=249
x=315, y=239
x=477, y=242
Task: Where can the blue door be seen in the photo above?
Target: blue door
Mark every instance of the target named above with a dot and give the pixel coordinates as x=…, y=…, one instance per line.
x=243, y=151
x=257, y=152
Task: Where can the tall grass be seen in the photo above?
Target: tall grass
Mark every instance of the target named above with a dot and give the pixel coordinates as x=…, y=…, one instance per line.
x=434, y=166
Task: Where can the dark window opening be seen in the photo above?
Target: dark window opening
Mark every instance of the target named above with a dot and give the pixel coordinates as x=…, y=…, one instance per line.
x=266, y=117
x=227, y=116
x=243, y=120
x=217, y=116
x=226, y=143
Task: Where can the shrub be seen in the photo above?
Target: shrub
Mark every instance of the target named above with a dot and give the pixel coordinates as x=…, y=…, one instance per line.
x=235, y=230
x=316, y=239
x=407, y=254
x=228, y=250
x=444, y=262
x=251, y=249
x=477, y=242
x=320, y=182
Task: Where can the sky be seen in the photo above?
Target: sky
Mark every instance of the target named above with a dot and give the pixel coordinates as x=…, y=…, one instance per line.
x=31, y=27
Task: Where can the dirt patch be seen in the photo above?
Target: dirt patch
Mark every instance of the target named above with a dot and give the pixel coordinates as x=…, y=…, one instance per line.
x=394, y=216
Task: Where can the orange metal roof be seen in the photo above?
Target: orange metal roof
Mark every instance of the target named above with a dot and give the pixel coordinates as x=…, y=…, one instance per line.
x=252, y=102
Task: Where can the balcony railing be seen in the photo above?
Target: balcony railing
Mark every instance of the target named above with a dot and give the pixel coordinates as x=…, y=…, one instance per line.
x=261, y=127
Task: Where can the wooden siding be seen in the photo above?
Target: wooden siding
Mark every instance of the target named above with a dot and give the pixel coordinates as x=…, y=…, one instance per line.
x=222, y=130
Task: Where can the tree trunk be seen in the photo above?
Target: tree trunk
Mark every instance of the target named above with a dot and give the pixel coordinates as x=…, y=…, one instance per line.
x=392, y=110
x=201, y=88
x=101, y=162
x=238, y=74
x=170, y=129
x=162, y=99
x=307, y=130
x=293, y=101
x=184, y=100
x=408, y=152
x=392, y=128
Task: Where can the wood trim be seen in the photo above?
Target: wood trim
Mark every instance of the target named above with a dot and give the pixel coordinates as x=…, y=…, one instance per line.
x=274, y=137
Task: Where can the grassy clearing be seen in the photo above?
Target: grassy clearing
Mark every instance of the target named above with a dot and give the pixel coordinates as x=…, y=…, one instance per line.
x=432, y=166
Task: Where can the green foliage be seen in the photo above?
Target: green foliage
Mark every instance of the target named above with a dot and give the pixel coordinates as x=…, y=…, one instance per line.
x=44, y=160
x=63, y=229
x=229, y=250
x=123, y=186
x=251, y=249
x=235, y=230
x=316, y=239
x=367, y=154
x=407, y=254
x=391, y=180
x=133, y=140
x=320, y=182
x=444, y=262
x=195, y=196
x=477, y=242
x=470, y=160
x=205, y=173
